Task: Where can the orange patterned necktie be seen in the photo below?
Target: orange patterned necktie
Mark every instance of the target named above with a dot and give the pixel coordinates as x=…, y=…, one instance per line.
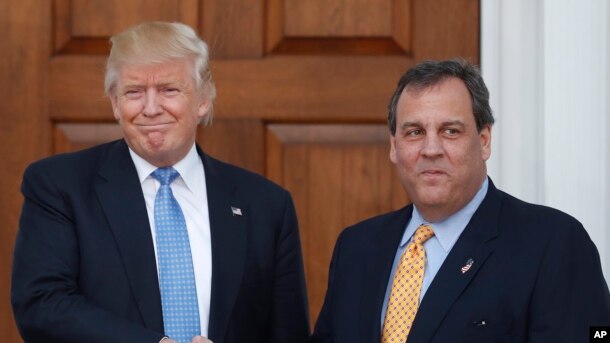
x=406, y=288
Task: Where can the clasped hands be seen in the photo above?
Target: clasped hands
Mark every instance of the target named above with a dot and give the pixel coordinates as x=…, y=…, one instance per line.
x=196, y=339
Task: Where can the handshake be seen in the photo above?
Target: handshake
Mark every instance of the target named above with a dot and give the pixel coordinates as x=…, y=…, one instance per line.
x=196, y=339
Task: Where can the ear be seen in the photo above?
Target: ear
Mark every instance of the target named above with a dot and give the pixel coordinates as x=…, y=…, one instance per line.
x=485, y=139
x=203, y=109
x=393, y=149
x=115, y=106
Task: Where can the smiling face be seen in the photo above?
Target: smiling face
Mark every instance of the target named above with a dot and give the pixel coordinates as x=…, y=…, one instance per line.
x=438, y=152
x=158, y=107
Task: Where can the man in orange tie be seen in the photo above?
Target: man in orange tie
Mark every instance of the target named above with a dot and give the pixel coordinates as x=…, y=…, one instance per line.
x=465, y=262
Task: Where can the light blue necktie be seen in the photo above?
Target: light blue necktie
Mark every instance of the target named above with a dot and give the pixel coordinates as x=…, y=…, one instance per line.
x=176, y=276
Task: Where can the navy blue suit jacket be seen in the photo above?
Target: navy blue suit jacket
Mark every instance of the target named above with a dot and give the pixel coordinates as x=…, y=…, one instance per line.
x=536, y=278
x=84, y=264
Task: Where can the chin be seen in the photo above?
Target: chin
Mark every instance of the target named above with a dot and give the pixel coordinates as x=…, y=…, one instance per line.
x=155, y=144
x=432, y=200
x=429, y=199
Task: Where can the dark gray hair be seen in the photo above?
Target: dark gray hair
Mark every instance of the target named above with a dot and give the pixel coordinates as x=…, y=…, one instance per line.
x=431, y=73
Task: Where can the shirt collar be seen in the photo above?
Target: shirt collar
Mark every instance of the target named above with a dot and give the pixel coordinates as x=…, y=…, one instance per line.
x=449, y=230
x=186, y=167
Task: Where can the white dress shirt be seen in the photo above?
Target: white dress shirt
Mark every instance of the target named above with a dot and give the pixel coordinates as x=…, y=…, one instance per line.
x=189, y=189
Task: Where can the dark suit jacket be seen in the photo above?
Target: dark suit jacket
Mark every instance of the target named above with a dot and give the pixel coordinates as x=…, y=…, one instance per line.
x=536, y=277
x=84, y=265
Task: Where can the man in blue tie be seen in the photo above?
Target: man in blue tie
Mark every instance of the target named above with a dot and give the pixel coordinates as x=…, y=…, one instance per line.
x=148, y=239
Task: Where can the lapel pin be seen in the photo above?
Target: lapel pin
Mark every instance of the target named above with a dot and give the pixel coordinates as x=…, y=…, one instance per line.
x=236, y=211
x=479, y=323
x=467, y=266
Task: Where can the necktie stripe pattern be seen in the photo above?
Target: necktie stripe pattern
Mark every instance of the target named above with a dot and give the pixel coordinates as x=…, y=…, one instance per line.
x=176, y=276
x=406, y=288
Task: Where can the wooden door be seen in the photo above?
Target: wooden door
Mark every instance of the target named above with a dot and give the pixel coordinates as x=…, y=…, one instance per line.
x=303, y=87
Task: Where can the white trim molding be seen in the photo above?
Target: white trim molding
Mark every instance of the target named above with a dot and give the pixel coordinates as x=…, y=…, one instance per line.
x=547, y=65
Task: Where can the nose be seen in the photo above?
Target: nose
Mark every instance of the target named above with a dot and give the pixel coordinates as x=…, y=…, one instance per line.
x=432, y=146
x=152, y=106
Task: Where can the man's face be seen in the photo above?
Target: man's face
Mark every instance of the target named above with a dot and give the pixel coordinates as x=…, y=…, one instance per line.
x=158, y=108
x=438, y=152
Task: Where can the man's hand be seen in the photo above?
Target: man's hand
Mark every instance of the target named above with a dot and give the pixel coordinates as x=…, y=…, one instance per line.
x=196, y=339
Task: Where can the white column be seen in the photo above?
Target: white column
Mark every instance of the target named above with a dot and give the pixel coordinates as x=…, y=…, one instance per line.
x=547, y=64
x=576, y=91
x=511, y=61
x=607, y=151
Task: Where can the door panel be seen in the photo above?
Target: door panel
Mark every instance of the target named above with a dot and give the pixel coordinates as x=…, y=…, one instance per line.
x=337, y=18
x=303, y=88
x=338, y=174
x=83, y=27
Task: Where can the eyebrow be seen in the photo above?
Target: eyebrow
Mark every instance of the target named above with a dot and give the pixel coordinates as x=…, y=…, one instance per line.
x=171, y=83
x=454, y=122
x=409, y=124
x=419, y=124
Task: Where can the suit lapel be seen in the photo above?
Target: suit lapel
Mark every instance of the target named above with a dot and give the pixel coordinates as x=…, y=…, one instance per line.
x=379, y=260
x=120, y=195
x=450, y=281
x=229, y=233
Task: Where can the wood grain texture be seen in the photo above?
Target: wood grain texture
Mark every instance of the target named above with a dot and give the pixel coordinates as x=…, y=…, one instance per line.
x=274, y=24
x=339, y=27
x=338, y=18
x=446, y=29
x=338, y=175
x=76, y=89
x=102, y=18
x=233, y=28
x=25, y=43
x=84, y=26
x=68, y=137
x=402, y=24
x=338, y=46
x=61, y=24
x=239, y=141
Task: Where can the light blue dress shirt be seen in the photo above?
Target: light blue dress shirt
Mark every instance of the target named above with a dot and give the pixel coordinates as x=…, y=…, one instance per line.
x=446, y=233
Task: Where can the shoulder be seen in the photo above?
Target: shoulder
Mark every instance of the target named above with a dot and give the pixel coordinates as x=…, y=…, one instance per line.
x=542, y=225
x=366, y=229
x=527, y=214
x=70, y=166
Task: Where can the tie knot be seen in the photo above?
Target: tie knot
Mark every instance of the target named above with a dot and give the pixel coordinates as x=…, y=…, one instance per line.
x=423, y=233
x=165, y=175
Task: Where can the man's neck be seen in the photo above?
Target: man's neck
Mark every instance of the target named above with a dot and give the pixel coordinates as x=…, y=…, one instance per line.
x=441, y=213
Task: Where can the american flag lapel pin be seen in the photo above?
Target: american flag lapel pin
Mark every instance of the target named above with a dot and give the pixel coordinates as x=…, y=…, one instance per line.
x=236, y=211
x=467, y=266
